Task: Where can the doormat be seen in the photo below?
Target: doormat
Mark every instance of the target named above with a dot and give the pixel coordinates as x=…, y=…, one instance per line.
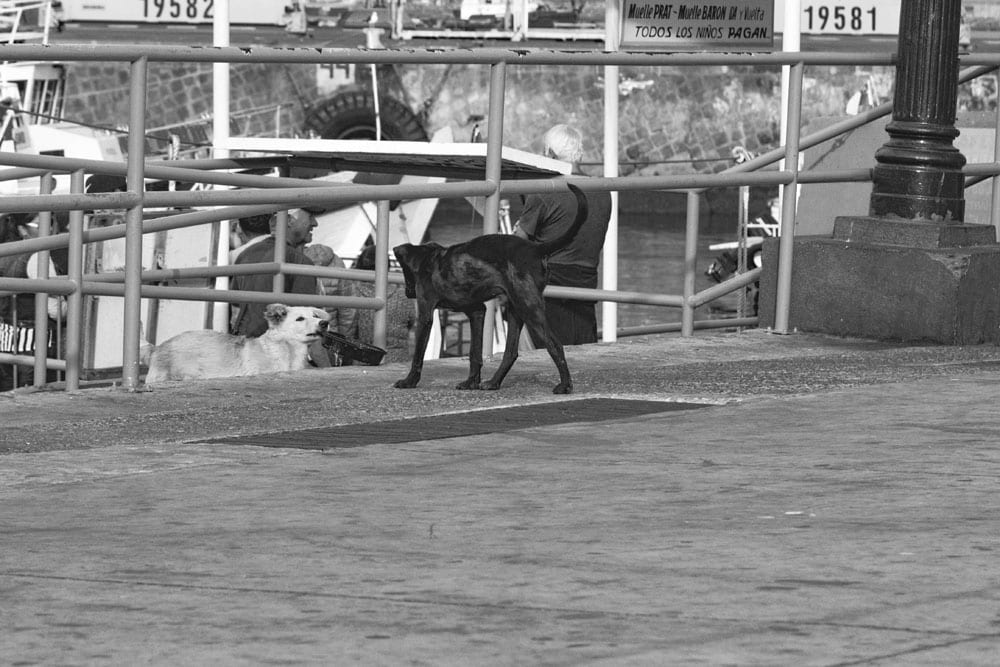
x=478, y=422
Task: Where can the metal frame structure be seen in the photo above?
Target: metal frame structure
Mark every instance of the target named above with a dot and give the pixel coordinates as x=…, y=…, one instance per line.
x=263, y=194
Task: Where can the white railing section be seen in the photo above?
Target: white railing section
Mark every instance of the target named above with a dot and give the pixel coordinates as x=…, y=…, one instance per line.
x=263, y=194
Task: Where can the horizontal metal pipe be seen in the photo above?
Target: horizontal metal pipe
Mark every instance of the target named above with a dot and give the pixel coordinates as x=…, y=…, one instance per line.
x=836, y=176
x=17, y=173
x=583, y=294
x=361, y=275
x=47, y=285
x=715, y=291
x=674, y=327
x=299, y=197
x=623, y=183
x=156, y=275
x=979, y=172
x=484, y=56
x=50, y=364
x=195, y=272
x=352, y=193
x=234, y=296
x=150, y=226
x=159, y=171
x=66, y=202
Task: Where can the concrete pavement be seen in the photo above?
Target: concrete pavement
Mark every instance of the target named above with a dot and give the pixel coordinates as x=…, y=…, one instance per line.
x=834, y=502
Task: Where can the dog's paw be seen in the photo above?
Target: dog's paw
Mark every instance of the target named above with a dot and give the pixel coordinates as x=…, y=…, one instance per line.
x=405, y=383
x=563, y=388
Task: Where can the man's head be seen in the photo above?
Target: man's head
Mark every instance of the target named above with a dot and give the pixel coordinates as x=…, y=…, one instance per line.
x=255, y=225
x=300, y=226
x=564, y=143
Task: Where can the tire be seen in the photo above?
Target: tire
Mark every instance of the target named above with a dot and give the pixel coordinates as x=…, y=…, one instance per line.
x=350, y=114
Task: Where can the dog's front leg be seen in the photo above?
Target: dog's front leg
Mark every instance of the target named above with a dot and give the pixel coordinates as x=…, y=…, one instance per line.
x=425, y=313
x=477, y=316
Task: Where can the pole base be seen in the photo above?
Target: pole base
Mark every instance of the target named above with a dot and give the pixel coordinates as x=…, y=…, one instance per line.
x=912, y=233
x=949, y=296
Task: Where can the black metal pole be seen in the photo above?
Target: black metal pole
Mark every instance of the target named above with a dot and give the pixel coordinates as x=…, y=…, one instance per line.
x=918, y=175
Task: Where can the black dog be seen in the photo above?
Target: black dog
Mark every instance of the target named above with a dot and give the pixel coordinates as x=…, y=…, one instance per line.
x=464, y=276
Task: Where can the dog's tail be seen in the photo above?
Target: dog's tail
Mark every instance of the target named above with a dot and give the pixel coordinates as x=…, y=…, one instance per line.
x=582, y=210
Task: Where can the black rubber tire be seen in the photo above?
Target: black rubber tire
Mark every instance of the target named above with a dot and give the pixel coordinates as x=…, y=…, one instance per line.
x=350, y=114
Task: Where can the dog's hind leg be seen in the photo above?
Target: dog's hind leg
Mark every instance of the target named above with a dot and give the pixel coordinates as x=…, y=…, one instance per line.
x=514, y=326
x=424, y=319
x=540, y=327
x=477, y=317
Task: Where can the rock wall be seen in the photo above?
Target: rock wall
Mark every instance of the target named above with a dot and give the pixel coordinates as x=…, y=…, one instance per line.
x=179, y=93
x=671, y=119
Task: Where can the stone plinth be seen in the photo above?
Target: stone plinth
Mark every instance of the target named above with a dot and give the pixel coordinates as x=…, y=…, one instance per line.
x=912, y=233
x=889, y=291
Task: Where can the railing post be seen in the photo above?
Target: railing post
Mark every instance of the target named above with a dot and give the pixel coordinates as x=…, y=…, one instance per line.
x=280, y=236
x=609, y=254
x=381, y=273
x=133, y=224
x=494, y=157
x=690, y=262
x=995, y=193
x=789, y=197
x=220, y=134
x=74, y=302
x=44, y=219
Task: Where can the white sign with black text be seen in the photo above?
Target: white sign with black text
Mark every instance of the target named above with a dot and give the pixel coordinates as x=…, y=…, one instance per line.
x=735, y=25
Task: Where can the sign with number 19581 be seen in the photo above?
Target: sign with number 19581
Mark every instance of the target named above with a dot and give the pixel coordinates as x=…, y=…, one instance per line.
x=853, y=17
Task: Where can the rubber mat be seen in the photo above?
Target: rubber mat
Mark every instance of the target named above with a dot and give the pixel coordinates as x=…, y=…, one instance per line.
x=479, y=422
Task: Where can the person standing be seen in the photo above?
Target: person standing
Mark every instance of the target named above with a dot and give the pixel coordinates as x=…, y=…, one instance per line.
x=249, y=319
x=17, y=311
x=250, y=231
x=547, y=216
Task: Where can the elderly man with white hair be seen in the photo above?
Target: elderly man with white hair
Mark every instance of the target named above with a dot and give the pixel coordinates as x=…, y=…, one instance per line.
x=547, y=216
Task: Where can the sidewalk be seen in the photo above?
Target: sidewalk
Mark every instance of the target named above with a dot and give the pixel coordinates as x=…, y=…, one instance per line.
x=821, y=502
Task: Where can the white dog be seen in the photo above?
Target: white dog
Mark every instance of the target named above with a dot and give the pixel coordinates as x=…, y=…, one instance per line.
x=194, y=355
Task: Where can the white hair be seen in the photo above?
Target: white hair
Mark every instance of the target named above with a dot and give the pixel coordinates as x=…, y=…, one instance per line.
x=565, y=142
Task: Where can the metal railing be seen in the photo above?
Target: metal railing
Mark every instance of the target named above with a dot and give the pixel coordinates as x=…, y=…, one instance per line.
x=265, y=194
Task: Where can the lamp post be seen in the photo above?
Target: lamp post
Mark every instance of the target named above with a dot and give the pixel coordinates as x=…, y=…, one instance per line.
x=913, y=269
x=919, y=171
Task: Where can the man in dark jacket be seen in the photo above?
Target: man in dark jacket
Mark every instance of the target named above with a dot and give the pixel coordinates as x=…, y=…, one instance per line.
x=547, y=216
x=249, y=319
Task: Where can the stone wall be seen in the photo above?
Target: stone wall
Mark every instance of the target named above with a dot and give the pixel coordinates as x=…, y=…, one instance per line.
x=672, y=119
x=98, y=94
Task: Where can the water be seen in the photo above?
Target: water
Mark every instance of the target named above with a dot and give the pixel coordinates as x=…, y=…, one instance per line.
x=650, y=259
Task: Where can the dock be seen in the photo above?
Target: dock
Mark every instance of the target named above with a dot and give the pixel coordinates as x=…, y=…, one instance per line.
x=732, y=498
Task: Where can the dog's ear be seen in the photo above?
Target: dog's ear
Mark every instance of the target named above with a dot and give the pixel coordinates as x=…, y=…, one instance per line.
x=404, y=255
x=275, y=313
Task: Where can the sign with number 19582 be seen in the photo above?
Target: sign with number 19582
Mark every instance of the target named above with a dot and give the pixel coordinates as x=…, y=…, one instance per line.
x=192, y=10
x=266, y=12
